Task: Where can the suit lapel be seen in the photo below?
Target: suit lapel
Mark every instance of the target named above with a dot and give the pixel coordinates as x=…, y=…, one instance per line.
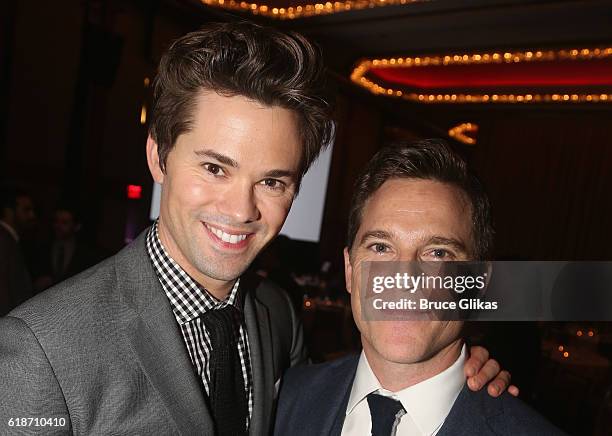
x=338, y=422
x=257, y=320
x=157, y=341
x=332, y=407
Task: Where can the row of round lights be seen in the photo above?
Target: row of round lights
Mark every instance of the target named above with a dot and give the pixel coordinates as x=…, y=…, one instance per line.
x=489, y=58
x=460, y=133
x=358, y=76
x=303, y=11
x=590, y=333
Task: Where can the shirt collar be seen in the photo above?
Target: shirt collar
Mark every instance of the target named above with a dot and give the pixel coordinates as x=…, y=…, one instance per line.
x=189, y=299
x=365, y=383
x=428, y=403
x=11, y=230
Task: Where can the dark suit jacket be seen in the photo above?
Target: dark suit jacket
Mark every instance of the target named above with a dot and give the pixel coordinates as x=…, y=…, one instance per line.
x=104, y=351
x=15, y=283
x=313, y=401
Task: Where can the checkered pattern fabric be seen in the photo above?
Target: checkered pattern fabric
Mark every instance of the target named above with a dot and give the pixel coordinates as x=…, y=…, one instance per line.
x=189, y=301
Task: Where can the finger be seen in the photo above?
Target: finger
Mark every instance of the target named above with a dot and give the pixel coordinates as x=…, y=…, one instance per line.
x=499, y=385
x=486, y=373
x=478, y=357
x=513, y=390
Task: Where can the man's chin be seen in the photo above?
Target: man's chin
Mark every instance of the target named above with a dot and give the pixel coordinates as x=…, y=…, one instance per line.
x=224, y=273
x=400, y=355
x=401, y=348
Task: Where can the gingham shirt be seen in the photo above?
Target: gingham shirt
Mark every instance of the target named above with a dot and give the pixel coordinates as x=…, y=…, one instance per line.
x=189, y=301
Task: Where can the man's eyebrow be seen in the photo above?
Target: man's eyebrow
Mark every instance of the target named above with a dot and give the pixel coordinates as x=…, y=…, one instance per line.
x=225, y=160
x=281, y=173
x=375, y=234
x=450, y=242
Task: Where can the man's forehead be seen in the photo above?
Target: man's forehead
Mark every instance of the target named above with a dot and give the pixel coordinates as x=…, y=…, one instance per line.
x=243, y=132
x=417, y=205
x=416, y=196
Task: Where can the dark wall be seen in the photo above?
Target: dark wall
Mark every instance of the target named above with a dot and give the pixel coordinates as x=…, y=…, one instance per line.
x=44, y=50
x=549, y=177
x=74, y=97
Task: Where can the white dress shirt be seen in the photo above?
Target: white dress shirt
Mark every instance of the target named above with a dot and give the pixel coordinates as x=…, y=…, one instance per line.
x=427, y=403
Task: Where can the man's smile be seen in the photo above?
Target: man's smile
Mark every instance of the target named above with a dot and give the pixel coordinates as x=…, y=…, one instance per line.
x=227, y=238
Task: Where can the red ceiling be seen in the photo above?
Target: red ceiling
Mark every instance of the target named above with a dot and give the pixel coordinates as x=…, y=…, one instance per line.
x=567, y=73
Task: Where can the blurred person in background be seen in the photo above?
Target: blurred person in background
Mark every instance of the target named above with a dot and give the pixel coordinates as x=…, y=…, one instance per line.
x=16, y=216
x=66, y=254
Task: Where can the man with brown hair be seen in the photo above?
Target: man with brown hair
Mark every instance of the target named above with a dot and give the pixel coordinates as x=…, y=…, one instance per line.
x=412, y=203
x=170, y=336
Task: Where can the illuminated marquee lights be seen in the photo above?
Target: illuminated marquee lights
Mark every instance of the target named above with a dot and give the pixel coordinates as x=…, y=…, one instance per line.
x=459, y=133
x=303, y=11
x=358, y=76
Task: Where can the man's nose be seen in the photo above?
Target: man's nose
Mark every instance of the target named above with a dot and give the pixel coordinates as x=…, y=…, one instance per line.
x=239, y=203
x=408, y=255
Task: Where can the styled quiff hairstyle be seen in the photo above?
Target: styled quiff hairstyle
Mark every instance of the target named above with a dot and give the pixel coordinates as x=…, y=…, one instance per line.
x=430, y=159
x=261, y=64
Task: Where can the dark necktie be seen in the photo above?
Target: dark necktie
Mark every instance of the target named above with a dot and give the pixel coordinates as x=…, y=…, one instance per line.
x=226, y=391
x=385, y=412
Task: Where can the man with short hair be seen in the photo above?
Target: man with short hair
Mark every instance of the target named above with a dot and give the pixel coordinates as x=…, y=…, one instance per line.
x=16, y=215
x=413, y=203
x=171, y=336
x=66, y=254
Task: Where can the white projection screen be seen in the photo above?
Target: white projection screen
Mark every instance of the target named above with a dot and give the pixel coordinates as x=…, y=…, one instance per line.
x=304, y=220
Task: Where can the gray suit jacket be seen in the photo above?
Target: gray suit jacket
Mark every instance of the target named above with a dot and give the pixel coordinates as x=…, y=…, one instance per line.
x=104, y=351
x=313, y=401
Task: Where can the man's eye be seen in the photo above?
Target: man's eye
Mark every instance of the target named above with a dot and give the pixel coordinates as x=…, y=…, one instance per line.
x=213, y=169
x=441, y=253
x=273, y=184
x=379, y=248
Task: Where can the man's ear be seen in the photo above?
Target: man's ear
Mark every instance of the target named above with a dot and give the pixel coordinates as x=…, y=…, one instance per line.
x=153, y=161
x=348, y=270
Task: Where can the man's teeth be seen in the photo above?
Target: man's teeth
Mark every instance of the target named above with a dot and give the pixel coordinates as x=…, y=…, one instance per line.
x=226, y=237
